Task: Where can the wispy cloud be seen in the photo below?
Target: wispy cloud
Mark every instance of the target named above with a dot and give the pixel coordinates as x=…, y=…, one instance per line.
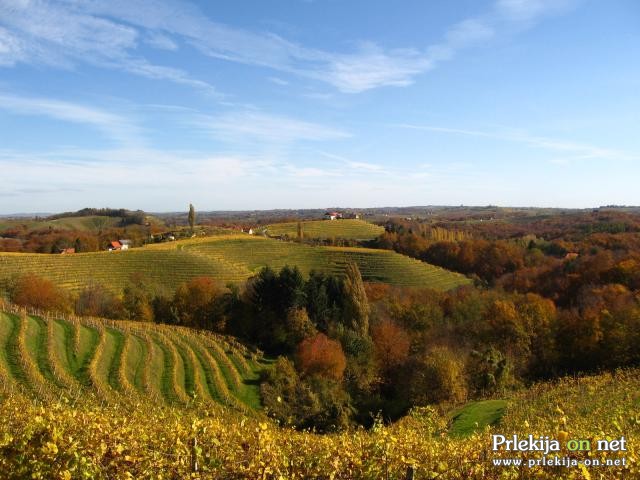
x=160, y=41
x=109, y=33
x=115, y=126
x=571, y=151
x=266, y=128
x=63, y=34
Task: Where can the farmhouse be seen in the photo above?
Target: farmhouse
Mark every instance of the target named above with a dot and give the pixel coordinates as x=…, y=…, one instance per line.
x=332, y=215
x=124, y=244
x=115, y=245
x=67, y=251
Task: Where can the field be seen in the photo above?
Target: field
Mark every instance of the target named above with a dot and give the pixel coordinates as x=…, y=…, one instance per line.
x=67, y=437
x=128, y=362
x=228, y=258
x=347, y=229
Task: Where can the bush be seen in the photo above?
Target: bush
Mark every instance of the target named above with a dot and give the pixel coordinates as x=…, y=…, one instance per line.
x=33, y=291
x=437, y=377
x=319, y=355
x=95, y=300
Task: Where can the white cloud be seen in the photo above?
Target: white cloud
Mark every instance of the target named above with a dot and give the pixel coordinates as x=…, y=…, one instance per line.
x=575, y=151
x=114, y=126
x=108, y=34
x=266, y=128
x=526, y=11
x=162, y=42
x=278, y=81
x=64, y=34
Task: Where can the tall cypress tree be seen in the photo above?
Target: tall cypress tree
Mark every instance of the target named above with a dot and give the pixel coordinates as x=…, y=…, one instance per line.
x=192, y=216
x=356, y=305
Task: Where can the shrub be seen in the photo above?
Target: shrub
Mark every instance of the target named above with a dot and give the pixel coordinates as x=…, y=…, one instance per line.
x=319, y=355
x=33, y=291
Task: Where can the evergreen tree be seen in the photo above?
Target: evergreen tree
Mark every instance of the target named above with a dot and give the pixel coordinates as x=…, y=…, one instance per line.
x=192, y=216
x=356, y=304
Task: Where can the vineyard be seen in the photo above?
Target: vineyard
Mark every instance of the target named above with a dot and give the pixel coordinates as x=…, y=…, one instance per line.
x=386, y=266
x=228, y=258
x=65, y=438
x=47, y=358
x=344, y=228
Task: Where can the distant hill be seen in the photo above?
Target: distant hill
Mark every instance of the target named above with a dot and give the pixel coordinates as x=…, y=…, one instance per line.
x=88, y=223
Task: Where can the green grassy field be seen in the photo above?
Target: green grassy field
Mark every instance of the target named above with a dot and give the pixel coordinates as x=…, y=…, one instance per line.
x=347, y=228
x=476, y=416
x=228, y=258
x=127, y=361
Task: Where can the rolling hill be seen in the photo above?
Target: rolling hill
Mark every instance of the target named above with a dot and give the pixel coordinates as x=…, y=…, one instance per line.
x=46, y=357
x=343, y=228
x=228, y=258
x=88, y=223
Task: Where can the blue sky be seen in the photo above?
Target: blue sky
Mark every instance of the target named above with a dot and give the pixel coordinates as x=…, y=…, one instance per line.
x=315, y=103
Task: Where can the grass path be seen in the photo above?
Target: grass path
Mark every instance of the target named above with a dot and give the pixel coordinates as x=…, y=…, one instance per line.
x=134, y=362
x=216, y=384
x=112, y=357
x=7, y=368
x=251, y=376
x=36, y=343
x=98, y=367
x=195, y=377
x=170, y=385
x=153, y=369
x=57, y=355
x=123, y=369
x=81, y=349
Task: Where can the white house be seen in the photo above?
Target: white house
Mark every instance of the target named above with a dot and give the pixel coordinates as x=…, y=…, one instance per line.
x=332, y=215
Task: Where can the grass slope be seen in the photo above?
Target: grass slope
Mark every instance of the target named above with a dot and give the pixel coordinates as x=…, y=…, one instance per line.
x=122, y=361
x=228, y=258
x=475, y=416
x=347, y=229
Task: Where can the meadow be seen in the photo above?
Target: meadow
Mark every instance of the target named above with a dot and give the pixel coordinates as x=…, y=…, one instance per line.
x=227, y=258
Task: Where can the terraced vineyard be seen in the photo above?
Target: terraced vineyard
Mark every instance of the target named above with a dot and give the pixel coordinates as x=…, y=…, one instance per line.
x=347, y=228
x=126, y=361
x=228, y=258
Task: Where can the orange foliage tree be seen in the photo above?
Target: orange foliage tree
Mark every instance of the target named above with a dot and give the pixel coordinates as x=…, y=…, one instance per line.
x=319, y=355
x=391, y=343
x=33, y=291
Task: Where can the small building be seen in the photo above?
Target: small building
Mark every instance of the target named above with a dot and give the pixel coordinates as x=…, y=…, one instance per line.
x=67, y=251
x=571, y=256
x=125, y=244
x=115, y=245
x=332, y=215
